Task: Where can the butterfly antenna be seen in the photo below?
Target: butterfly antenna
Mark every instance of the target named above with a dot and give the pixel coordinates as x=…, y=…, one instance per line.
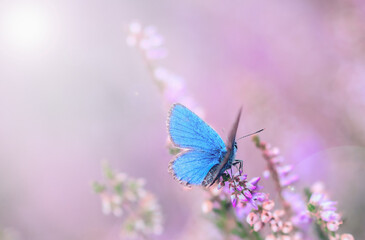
x=251, y=134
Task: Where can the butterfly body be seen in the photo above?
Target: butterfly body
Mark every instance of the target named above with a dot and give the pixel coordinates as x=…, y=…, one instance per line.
x=228, y=165
x=205, y=156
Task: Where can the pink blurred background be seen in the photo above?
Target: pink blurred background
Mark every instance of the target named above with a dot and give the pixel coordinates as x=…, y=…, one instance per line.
x=72, y=93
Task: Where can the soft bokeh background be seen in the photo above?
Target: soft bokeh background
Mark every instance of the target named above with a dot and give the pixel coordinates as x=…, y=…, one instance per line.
x=72, y=93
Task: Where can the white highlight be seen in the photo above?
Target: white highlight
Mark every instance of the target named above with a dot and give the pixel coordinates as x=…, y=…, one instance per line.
x=24, y=26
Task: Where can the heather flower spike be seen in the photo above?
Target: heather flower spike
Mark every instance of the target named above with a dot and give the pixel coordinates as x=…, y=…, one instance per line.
x=241, y=190
x=126, y=198
x=150, y=44
x=273, y=220
x=324, y=212
x=152, y=47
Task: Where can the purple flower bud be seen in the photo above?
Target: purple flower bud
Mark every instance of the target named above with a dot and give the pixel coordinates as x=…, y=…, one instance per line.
x=253, y=204
x=289, y=180
x=316, y=198
x=234, y=200
x=258, y=196
x=302, y=217
x=247, y=193
x=242, y=177
x=266, y=174
x=329, y=205
x=284, y=170
x=239, y=188
x=250, y=186
x=254, y=181
x=330, y=216
x=242, y=197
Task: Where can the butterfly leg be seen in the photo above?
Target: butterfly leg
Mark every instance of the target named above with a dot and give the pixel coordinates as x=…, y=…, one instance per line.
x=240, y=162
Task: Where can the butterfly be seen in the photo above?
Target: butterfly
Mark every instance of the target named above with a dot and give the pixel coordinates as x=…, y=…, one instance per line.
x=205, y=157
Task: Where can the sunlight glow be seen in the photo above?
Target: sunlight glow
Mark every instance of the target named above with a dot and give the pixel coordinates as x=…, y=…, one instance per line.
x=25, y=26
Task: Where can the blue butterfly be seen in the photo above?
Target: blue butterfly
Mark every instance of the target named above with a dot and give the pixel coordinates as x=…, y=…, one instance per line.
x=205, y=157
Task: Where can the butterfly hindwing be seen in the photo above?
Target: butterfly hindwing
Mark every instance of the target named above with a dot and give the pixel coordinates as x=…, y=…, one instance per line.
x=188, y=131
x=191, y=167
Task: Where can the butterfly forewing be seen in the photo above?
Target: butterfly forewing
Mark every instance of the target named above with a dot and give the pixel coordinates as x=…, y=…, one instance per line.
x=188, y=131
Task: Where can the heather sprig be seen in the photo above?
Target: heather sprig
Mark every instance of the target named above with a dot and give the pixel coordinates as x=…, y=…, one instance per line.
x=294, y=211
x=230, y=200
x=274, y=220
x=152, y=47
x=318, y=209
x=324, y=213
x=241, y=190
x=147, y=40
x=127, y=198
x=281, y=173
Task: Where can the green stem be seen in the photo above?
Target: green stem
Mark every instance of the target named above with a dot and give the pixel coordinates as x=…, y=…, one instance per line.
x=256, y=236
x=321, y=235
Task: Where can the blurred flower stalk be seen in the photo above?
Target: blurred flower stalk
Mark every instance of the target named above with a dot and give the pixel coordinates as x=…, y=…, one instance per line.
x=151, y=46
x=126, y=198
x=280, y=172
x=324, y=213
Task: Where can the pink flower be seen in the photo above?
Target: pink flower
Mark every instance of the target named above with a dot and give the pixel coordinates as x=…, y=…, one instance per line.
x=333, y=226
x=266, y=216
x=347, y=237
x=287, y=227
x=257, y=226
x=278, y=213
x=268, y=205
x=207, y=206
x=252, y=218
x=270, y=237
x=276, y=225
